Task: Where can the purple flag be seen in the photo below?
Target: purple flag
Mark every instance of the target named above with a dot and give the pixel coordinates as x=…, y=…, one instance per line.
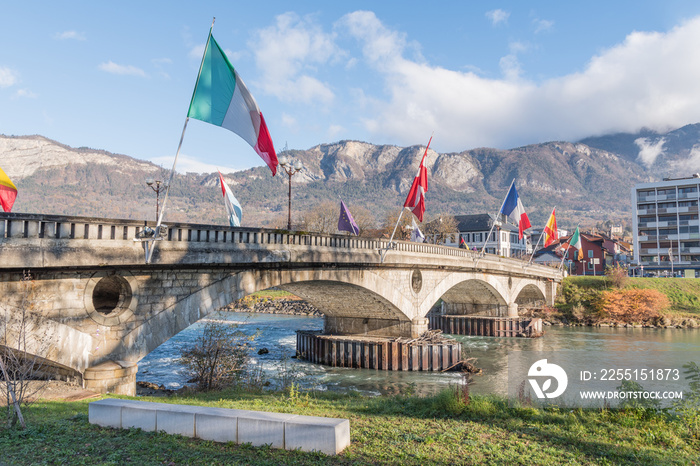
x=346, y=222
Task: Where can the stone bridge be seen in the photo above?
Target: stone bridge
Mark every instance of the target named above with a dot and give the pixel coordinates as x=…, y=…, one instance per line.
x=92, y=302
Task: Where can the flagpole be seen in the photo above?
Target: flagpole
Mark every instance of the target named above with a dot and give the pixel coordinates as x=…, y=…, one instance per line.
x=496, y=219
x=425, y=154
x=538, y=241
x=149, y=250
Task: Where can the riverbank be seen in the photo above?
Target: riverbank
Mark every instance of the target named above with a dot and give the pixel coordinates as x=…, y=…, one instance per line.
x=404, y=429
x=625, y=302
x=273, y=302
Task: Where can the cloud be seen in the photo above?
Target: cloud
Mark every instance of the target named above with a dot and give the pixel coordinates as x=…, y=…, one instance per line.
x=113, y=68
x=542, y=25
x=498, y=16
x=647, y=81
x=73, y=35
x=649, y=150
x=188, y=164
x=288, y=53
x=689, y=165
x=24, y=93
x=8, y=77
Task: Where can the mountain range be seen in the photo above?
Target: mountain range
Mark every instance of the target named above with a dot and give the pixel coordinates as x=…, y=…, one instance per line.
x=588, y=181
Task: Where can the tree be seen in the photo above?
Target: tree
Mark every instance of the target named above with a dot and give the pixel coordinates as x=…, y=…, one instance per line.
x=20, y=353
x=219, y=357
x=440, y=228
x=403, y=230
x=364, y=218
x=322, y=219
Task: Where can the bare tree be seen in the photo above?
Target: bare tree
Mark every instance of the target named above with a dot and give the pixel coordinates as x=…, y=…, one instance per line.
x=403, y=230
x=440, y=228
x=323, y=218
x=20, y=353
x=364, y=218
x=219, y=357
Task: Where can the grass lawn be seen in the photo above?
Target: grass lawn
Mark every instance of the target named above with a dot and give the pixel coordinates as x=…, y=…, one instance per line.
x=402, y=430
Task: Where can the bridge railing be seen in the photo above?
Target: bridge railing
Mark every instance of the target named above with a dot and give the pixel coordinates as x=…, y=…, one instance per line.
x=20, y=225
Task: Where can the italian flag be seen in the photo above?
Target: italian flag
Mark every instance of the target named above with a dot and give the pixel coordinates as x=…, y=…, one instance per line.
x=575, y=242
x=8, y=192
x=222, y=99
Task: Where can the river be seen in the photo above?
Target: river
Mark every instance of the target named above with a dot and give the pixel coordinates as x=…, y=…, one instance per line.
x=590, y=345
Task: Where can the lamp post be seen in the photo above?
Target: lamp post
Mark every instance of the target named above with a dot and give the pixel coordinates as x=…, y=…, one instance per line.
x=290, y=169
x=159, y=186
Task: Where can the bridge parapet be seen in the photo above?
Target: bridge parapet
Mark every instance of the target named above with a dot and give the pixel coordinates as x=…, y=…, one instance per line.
x=112, y=242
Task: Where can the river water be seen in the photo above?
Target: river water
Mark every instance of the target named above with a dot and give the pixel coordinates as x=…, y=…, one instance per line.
x=592, y=347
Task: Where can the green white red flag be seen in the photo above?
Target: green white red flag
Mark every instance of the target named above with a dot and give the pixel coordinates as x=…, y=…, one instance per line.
x=222, y=99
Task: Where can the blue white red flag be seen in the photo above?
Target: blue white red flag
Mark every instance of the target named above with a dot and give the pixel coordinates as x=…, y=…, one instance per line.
x=346, y=222
x=513, y=208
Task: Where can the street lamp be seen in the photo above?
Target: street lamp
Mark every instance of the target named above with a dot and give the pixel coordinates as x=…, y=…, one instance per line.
x=159, y=186
x=290, y=169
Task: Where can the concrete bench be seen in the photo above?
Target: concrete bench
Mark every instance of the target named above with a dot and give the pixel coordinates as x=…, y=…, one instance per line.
x=288, y=431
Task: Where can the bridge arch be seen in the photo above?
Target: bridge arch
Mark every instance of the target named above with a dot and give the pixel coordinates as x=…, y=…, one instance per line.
x=529, y=294
x=468, y=293
x=358, y=297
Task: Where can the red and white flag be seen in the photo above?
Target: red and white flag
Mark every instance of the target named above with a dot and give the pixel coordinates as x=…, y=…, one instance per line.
x=416, y=196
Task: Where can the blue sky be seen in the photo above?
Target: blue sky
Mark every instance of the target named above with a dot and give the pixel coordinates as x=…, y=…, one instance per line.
x=119, y=76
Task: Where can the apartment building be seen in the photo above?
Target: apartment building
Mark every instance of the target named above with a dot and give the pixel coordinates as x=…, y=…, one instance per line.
x=666, y=226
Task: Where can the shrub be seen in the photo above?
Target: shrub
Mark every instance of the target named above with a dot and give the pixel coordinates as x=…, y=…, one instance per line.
x=634, y=305
x=617, y=275
x=219, y=357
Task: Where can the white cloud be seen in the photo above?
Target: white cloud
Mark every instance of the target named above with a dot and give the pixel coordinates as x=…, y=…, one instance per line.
x=113, y=68
x=8, y=77
x=25, y=93
x=74, y=35
x=333, y=132
x=288, y=53
x=186, y=163
x=689, y=165
x=197, y=51
x=649, y=150
x=542, y=25
x=649, y=80
x=289, y=120
x=498, y=16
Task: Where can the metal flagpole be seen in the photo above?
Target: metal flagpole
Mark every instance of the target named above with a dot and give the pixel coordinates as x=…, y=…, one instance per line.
x=151, y=242
x=496, y=219
x=538, y=241
x=383, y=251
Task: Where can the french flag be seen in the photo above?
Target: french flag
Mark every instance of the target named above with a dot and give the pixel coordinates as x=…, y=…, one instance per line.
x=513, y=208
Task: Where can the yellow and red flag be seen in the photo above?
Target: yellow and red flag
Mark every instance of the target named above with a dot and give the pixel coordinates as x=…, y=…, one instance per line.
x=8, y=192
x=551, y=233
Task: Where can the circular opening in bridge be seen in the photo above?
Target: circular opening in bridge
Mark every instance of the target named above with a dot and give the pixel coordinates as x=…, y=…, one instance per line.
x=111, y=293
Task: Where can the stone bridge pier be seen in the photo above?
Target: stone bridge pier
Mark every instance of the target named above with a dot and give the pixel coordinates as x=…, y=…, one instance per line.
x=93, y=309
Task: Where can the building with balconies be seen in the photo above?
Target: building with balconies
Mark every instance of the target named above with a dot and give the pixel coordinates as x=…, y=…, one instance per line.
x=666, y=226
